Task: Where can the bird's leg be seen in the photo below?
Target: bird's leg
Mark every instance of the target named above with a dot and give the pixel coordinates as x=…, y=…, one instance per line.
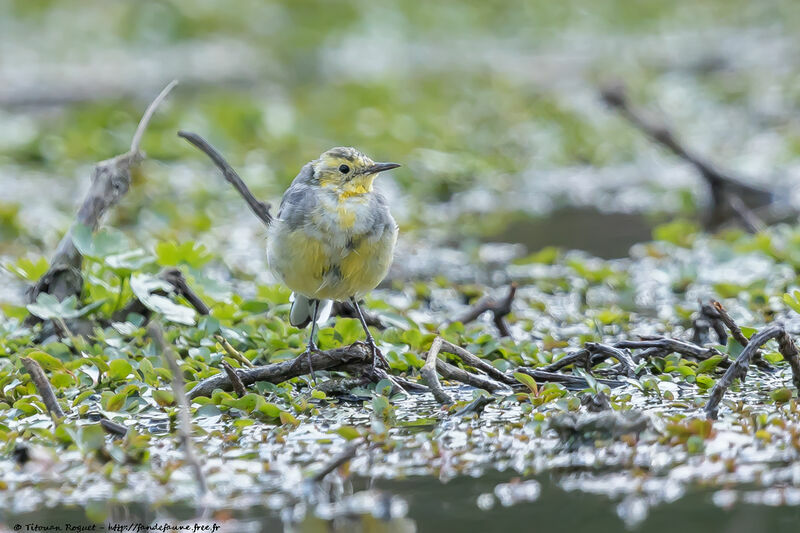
x=312, y=346
x=376, y=353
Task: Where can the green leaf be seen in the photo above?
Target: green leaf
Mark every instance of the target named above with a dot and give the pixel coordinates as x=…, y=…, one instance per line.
x=116, y=402
x=119, y=369
x=781, y=395
x=348, y=432
x=705, y=382
x=288, y=418
x=123, y=264
x=145, y=287
x=163, y=397
x=793, y=301
x=98, y=245
x=528, y=381
x=26, y=269
x=46, y=361
x=92, y=437
x=47, y=307
x=348, y=329
x=249, y=402
x=706, y=366
x=189, y=253
x=148, y=374
x=271, y=410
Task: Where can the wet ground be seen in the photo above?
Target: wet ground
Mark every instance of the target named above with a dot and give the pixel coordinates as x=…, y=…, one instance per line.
x=507, y=151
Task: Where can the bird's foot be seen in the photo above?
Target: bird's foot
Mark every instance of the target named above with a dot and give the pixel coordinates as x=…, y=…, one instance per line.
x=376, y=354
x=311, y=348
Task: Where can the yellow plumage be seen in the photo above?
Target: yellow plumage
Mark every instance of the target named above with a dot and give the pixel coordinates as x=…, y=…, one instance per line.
x=333, y=238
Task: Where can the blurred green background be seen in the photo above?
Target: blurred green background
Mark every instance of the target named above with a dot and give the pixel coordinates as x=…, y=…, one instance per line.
x=491, y=107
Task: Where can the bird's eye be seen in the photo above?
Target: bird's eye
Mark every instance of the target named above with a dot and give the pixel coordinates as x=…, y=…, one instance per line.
x=344, y=169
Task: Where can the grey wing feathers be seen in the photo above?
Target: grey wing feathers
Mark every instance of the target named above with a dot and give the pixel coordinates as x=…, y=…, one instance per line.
x=297, y=204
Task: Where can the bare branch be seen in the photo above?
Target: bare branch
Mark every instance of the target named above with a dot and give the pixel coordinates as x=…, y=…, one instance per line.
x=337, y=461
x=727, y=192
x=344, y=358
x=238, y=386
x=260, y=209
x=111, y=180
x=43, y=386
x=476, y=362
x=428, y=373
x=233, y=352
x=449, y=371
x=786, y=347
x=148, y=114
x=179, y=389
x=499, y=310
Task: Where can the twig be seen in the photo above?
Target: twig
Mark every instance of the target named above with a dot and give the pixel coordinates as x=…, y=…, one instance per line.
x=671, y=345
x=475, y=406
x=43, y=387
x=726, y=191
x=448, y=371
x=602, y=351
x=238, y=386
x=148, y=114
x=233, y=352
x=476, y=362
x=738, y=336
x=428, y=372
x=111, y=180
x=175, y=278
x=343, y=358
x=499, y=310
x=708, y=317
x=260, y=209
x=726, y=319
x=786, y=347
x=580, y=357
x=113, y=428
x=571, y=382
x=179, y=389
x=337, y=461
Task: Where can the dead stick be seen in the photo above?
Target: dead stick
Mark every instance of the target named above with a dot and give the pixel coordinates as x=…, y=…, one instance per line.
x=786, y=347
x=113, y=428
x=737, y=334
x=725, y=190
x=570, y=382
x=343, y=358
x=620, y=354
x=233, y=352
x=111, y=180
x=579, y=357
x=260, y=209
x=238, y=386
x=337, y=461
x=175, y=278
x=179, y=389
x=448, y=371
x=428, y=372
x=43, y=387
x=499, y=310
x=476, y=362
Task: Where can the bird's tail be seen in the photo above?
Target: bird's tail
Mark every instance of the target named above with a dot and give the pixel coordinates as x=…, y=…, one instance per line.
x=303, y=310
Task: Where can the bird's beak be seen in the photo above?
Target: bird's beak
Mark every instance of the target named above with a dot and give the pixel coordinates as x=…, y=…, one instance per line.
x=380, y=167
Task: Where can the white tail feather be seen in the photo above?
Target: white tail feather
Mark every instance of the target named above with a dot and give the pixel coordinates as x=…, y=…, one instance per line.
x=303, y=309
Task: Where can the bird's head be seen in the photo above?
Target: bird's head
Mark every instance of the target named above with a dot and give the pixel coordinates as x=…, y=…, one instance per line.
x=347, y=170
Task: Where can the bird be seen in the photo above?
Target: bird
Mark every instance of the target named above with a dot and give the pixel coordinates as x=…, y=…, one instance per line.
x=333, y=239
